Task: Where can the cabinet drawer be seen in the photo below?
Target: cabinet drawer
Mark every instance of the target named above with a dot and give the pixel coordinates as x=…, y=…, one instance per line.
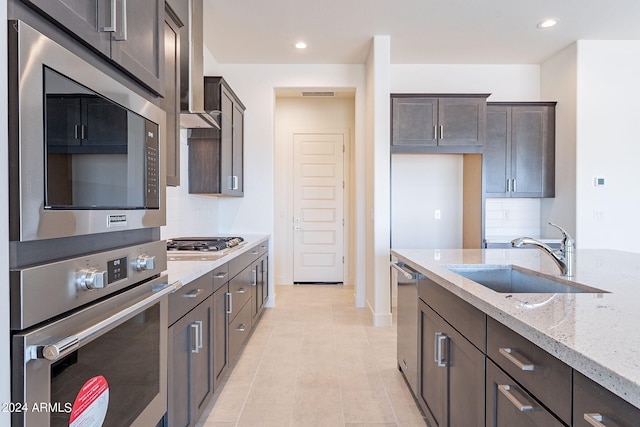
x=536, y=370
x=464, y=317
x=240, y=262
x=187, y=297
x=239, y=330
x=508, y=404
x=262, y=248
x=220, y=276
x=593, y=400
x=240, y=289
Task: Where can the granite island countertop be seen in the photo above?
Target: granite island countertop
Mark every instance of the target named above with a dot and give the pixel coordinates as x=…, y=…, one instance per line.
x=598, y=334
x=188, y=267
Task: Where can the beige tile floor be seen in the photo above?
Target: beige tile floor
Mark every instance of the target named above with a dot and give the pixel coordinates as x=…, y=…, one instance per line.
x=315, y=360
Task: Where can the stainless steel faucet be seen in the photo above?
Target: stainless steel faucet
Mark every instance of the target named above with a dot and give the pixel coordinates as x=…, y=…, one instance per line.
x=564, y=257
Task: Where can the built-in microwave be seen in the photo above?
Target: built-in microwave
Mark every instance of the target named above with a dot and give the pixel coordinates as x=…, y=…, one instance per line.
x=86, y=152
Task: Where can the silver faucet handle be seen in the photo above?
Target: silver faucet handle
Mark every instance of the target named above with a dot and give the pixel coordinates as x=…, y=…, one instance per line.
x=567, y=240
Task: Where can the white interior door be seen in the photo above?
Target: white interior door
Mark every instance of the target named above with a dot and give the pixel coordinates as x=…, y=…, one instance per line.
x=318, y=208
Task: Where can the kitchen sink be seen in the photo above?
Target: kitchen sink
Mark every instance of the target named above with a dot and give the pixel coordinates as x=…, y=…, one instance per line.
x=512, y=279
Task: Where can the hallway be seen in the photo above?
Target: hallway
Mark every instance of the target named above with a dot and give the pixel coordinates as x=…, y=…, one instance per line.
x=315, y=360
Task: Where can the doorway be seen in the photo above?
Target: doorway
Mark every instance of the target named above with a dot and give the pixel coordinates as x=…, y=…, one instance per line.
x=313, y=175
x=318, y=207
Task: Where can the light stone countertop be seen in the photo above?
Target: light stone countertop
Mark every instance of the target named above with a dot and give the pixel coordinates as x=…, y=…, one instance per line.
x=598, y=334
x=188, y=267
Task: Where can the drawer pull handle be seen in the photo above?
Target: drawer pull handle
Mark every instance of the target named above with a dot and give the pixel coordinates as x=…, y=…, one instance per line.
x=193, y=294
x=254, y=252
x=221, y=275
x=242, y=327
x=506, y=390
x=594, y=419
x=241, y=291
x=522, y=364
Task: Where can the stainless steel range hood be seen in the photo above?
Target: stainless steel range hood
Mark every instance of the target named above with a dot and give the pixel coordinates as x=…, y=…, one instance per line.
x=192, y=112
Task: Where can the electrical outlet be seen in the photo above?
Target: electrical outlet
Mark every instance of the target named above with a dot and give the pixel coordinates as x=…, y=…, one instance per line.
x=599, y=216
x=436, y=214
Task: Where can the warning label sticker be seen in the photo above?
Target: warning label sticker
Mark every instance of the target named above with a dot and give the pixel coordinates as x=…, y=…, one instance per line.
x=90, y=407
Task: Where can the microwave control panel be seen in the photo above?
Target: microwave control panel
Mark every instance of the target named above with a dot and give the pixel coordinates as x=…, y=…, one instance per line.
x=152, y=153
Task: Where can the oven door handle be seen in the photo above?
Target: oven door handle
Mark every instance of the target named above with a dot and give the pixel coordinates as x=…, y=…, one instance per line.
x=69, y=344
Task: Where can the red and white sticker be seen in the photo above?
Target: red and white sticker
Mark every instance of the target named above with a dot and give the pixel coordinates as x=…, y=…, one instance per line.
x=90, y=407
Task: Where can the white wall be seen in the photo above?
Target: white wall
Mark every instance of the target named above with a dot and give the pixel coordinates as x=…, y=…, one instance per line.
x=558, y=83
x=503, y=82
x=314, y=115
x=608, y=144
x=420, y=185
x=189, y=214
x=378, y=295
x=255, y=85
x=5, y=369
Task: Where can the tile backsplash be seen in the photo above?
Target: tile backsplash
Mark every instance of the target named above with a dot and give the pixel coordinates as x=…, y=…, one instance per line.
x=512, y=217
x=189, y=214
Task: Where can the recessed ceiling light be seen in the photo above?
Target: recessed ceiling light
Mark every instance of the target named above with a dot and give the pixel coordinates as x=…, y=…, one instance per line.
x=547, y=23
x=301, y=45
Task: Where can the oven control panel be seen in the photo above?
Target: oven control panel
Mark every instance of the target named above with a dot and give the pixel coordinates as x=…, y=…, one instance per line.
x=71, y=283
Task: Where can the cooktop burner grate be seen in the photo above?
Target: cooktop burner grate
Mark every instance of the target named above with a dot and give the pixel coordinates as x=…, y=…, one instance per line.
x=203, y=244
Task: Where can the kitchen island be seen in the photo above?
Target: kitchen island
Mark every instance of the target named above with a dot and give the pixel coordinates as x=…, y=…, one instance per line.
x=596, y=334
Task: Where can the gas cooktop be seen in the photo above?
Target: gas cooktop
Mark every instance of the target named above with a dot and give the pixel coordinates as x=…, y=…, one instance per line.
x=203, y=244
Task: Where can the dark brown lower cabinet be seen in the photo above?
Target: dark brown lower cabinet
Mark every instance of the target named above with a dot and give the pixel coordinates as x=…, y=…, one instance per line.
x=510, y=405
x=593, y=404
x=190, y=381
x=261, y=285
x=220, y=335
x=451, y=373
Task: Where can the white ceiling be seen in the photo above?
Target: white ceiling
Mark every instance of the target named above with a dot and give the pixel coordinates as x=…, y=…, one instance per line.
x=422, y=31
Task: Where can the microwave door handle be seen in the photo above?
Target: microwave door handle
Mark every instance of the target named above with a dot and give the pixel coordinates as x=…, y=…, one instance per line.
x=60, y=349
x=111, y=28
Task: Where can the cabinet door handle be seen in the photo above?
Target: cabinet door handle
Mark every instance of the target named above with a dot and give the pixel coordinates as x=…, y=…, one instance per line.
x=229, y=303
x=514, y=185
x=234, y=180
x=200, y=329
x=123, y=32
x=193, y=294
x=594, y=419
x=241, y=291
x=440, y=356
x=221, y=275
x=241, y=327
x=112, y=22
x=195, y=327
x=506, y=390
x=508, y=185
x=521, y=363
x=435, y=132
x=441, y=131
x=255, y=277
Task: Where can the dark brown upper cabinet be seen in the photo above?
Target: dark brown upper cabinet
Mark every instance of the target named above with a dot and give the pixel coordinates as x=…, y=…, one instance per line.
x=437, y=123
x=216, y=155
x=129, y=32
x=171, y=101
x=519, y=153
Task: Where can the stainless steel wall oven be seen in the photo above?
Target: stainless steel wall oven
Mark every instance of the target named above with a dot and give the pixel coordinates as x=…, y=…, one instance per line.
x=87, y=198
x=86, y=152
x=90, y=339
